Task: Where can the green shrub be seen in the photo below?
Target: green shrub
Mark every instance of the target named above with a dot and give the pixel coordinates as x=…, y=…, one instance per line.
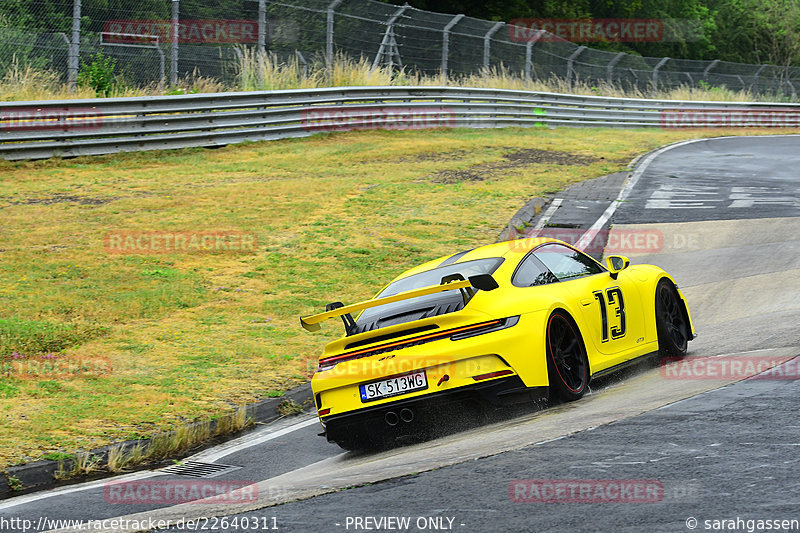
x=99, y=74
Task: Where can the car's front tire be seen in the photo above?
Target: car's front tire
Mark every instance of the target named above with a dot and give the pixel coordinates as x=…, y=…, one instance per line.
x=567, y=363
x=671, y=324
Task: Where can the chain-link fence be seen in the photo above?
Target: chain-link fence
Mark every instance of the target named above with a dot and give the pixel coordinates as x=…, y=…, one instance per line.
x=160, y=41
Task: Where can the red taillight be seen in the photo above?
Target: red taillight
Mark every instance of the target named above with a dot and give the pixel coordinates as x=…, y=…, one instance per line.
x=481, y=377
x=323, y=412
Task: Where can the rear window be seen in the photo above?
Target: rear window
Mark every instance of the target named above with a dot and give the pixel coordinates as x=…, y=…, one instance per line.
x=423, y=306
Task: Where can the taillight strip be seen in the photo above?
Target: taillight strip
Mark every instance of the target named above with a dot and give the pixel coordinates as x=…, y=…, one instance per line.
x=399, y=344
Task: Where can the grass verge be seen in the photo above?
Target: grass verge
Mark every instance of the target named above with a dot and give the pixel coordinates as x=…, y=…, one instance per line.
x=100, y=347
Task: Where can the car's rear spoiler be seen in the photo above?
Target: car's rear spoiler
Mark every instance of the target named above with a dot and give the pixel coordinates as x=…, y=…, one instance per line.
x=484, y=282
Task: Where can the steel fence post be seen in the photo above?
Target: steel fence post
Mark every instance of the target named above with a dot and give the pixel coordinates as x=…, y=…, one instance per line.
x=261, y=47
x=389, y=41
x=755, y=76
x=74, y=46
x=173, y=64
x=487, y=44
x=708, y=69
x=610, y=67
x=262, y=26
x=655, y=73
x=446, y=44
x=571, y=62
x=329, y=36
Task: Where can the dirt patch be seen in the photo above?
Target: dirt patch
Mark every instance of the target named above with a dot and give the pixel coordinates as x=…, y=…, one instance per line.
x=456, y=176
x=64, y=198
x=515, y=159
x=529, y=156
x=432, y=156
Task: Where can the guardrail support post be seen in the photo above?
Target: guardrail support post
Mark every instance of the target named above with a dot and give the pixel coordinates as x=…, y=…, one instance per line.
x=487, y=45
x=610, y=67
x=173, y=64
x=655, y=73
x=446, y=44
x=74, y=46
x=571, y=62
x=329, y=36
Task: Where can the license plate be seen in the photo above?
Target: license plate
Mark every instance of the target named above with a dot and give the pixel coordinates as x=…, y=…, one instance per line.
x=393, y=386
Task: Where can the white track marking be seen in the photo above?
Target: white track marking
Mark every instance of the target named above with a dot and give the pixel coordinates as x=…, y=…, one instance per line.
x=19, y=500
x=547, y=215
x=218, y=452
x=591, y=233
x=207, y=456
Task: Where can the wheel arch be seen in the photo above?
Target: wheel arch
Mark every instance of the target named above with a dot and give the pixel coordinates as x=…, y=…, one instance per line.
x=570, y=316
x=681, y=301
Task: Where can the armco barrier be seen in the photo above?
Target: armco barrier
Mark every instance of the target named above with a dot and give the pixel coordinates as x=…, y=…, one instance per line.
x=68, y=128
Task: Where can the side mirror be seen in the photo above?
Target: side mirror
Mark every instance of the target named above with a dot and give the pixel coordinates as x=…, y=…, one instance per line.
x=616, y=264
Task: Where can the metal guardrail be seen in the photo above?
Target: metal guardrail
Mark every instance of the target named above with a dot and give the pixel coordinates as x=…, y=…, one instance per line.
x=68, y=128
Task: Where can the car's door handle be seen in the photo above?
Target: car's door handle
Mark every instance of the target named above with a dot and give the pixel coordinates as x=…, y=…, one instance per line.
x=587, y=301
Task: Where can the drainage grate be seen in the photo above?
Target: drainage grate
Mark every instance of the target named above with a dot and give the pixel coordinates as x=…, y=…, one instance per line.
x=198, y=469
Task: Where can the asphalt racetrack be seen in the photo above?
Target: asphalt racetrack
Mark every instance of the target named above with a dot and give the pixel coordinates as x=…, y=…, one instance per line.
x=656, y=448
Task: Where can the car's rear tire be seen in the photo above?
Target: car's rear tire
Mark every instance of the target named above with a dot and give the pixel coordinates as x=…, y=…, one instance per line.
x=671, y=323
x=567, y=363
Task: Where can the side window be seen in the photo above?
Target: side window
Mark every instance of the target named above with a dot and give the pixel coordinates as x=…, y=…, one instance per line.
x=532, y=272
x=565, y=262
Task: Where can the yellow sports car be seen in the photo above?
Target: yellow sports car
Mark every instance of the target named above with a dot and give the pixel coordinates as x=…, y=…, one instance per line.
x=502, y=323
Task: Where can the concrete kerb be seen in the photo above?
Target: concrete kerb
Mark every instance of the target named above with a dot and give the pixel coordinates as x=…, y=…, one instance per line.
x=41, y=475
x=523, y=218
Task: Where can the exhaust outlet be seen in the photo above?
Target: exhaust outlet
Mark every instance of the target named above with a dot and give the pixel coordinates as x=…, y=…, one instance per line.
x=391, y=418
x=407, y=415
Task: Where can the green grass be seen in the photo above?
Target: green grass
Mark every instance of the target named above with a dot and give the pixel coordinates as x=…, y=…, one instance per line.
x=98, y=347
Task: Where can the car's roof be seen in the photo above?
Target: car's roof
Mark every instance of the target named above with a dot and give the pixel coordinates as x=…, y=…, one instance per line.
x=499, y=249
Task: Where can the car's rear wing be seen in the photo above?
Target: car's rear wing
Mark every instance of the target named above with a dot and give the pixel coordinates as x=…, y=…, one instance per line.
x=484, y=282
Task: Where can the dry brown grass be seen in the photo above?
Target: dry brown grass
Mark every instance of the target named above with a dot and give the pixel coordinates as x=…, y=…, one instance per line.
x=256, y=71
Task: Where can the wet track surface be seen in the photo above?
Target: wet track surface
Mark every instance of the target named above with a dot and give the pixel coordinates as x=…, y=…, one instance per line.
x=723, y=179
